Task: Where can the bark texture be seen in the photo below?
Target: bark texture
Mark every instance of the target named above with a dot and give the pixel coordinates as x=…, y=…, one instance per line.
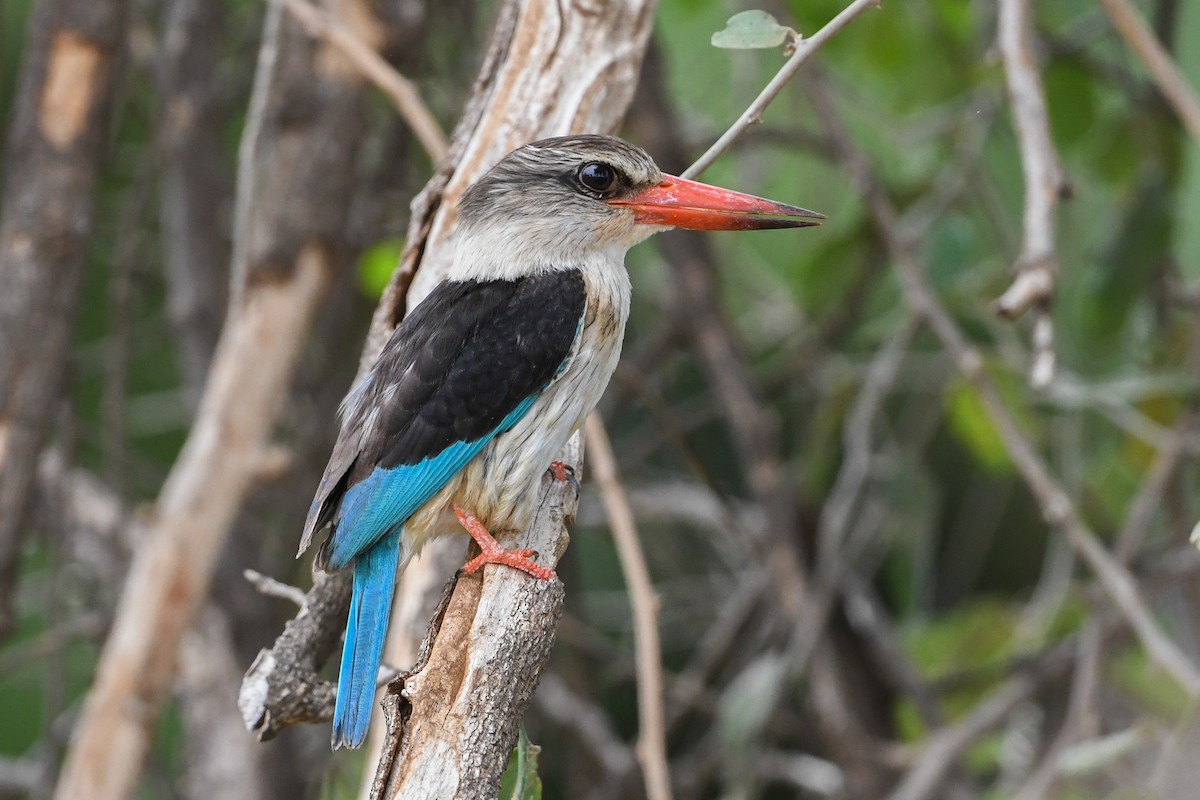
x=486, y=656
x=55, y=149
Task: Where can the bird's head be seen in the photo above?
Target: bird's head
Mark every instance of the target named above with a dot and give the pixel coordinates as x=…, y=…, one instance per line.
x=560, y=200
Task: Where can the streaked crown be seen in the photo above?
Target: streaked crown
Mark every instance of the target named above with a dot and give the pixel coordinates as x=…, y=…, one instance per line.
x=549, y=204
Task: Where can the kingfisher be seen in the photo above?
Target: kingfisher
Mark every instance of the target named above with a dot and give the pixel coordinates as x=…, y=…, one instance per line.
x=486, y=379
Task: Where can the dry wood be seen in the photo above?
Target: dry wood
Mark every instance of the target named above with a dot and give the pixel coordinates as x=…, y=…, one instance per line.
x=293, y=196
x=55, y=148
x=460, y=710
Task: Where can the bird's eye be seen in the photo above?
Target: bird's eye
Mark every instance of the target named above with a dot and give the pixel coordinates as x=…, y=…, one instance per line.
x=598, y=177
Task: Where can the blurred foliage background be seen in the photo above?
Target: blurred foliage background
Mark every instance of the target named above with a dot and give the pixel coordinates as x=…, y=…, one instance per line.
x=956, y=589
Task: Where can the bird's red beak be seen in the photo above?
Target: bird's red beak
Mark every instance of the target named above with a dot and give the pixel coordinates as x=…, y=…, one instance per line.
x=689, y=204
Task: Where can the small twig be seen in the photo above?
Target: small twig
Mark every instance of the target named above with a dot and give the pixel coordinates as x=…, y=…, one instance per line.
x=753, y=114
x=1162, y=68
x=652, y=736
x=1037, y=265
x=402, y=92
x=270, y=587
x=282, y=687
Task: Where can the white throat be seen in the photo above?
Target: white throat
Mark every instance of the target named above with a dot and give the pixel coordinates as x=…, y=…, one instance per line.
x=507, y=250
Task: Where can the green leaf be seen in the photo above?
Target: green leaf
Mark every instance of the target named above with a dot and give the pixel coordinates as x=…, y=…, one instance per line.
x=376, y=265
x=751, y=30
x=521, y=781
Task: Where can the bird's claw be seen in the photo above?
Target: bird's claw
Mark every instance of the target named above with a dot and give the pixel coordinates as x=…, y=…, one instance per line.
x=492, y=553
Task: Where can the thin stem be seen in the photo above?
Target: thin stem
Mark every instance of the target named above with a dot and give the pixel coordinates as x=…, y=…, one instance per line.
x=652, y=735
x=805, y=48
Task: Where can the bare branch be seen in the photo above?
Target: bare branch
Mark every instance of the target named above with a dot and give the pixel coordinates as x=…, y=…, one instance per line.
x=282, y=687
x=404, y=94
x=524, y=91
x=462, y=707
x=509, y=106
x=652, y=736
x=1037, y=265
x=270, y=587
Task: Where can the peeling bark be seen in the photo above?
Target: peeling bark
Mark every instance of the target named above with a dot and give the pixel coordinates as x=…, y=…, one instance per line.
x=55, y=149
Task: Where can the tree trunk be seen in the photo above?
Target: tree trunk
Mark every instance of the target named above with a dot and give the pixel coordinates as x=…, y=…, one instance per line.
x=55, y=148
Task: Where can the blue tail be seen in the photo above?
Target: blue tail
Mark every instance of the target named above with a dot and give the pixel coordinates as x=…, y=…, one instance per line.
x=366, y=630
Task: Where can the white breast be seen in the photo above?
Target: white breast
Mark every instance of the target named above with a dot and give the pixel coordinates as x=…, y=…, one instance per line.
x=500, y=485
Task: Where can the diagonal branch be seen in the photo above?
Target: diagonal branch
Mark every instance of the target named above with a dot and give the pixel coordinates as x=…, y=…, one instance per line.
x=403, y=93
x=459, y=720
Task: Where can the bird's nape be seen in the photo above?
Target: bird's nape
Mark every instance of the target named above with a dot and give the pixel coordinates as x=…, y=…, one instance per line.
x=684, y=203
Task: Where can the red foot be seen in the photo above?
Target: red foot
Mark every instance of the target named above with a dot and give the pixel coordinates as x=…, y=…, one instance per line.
x=561, y=471
x=493, y=553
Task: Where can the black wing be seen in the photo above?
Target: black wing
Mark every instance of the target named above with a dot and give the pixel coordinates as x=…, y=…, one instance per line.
x=460, y=363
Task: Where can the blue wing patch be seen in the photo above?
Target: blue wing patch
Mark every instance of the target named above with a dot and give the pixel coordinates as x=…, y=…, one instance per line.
x=389, y=496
